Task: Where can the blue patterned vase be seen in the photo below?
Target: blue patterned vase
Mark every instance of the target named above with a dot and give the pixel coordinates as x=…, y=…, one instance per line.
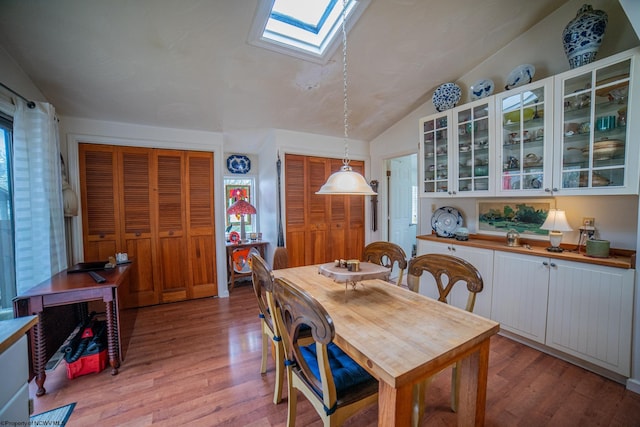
x=583, y=35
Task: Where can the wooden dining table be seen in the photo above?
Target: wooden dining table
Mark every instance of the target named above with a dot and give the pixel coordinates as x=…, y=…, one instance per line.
x=402, y=338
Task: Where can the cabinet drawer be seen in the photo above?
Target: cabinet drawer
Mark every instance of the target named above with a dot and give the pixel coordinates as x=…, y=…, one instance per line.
x=14, y=369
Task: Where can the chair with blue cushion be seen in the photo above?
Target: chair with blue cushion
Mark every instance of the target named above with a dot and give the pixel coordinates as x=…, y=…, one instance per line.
x=335, y=384
x=446, y=271
x=386, y=254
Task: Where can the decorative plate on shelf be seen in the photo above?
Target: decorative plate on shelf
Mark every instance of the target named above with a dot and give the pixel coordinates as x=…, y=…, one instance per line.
x=481, y=89
x=238, y=163
x=519, y=76
x=446, y=221
x=234, y=237
x=446, y=96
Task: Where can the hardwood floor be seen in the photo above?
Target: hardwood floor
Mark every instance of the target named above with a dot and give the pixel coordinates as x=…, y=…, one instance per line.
x=198, y=363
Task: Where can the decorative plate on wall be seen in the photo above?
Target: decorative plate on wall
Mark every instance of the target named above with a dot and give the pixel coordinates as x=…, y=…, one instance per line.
x=238, y=163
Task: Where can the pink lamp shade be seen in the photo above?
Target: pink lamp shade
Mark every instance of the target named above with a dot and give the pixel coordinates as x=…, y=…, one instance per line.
x=242, y=208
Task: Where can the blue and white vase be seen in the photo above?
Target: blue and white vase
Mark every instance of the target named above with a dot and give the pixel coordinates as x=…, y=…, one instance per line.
x=583, y=35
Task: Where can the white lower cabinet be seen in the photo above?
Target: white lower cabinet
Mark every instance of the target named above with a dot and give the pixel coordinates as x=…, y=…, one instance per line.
x=590, y=313
x=520, y=291
x=583, y=310
x=14, y=393
x=482, y=259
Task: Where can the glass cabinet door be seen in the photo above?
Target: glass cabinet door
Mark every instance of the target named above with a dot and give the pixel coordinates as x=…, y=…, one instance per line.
x=523, y=139
x=472, y=149
x=594, y=128
x=435, y=147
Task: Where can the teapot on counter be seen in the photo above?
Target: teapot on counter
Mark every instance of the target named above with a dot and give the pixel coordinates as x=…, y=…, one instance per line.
x=513, y=238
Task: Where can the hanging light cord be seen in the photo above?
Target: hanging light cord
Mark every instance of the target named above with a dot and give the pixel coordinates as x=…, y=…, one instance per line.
x=346, y=159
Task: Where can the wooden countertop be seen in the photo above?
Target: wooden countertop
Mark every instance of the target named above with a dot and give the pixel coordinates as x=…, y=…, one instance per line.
x=620, y=258
x=12, y=330
x=67, y=282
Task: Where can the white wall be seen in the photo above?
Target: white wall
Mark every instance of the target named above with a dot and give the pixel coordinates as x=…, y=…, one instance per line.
x=76, y=130
x=16, y=79
x=542, y=47
x=262, y=146
x=616, y=216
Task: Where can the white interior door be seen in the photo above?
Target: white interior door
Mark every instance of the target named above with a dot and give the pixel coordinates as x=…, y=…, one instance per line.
x=402, y=211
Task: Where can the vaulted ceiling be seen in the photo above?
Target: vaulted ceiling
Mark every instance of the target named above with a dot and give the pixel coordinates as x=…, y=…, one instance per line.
x=187, y=64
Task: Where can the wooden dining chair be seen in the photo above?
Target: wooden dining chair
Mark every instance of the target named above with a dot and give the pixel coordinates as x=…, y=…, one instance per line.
x=335, y=384
x=262, y=279
x=280, y=258
x=447, y=271
x=386, y=254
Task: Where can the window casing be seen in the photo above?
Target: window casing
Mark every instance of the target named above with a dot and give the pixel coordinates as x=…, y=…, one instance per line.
x=7, y=226
x=240, y=188
x=310, y=36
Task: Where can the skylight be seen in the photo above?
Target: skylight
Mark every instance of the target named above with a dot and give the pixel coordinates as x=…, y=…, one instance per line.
x=309, y=29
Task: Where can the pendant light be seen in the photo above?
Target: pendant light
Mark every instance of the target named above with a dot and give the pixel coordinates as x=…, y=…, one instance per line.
x=346, y=181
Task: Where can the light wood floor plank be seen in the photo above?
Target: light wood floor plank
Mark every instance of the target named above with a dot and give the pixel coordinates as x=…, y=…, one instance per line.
x=197, y=363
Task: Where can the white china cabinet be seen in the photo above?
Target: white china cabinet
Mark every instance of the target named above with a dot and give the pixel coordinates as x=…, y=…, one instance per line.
x=525, y=140
x=571, y=134
x=434, y=153
x=455, y=151
x=594, y=150
x=482, y=259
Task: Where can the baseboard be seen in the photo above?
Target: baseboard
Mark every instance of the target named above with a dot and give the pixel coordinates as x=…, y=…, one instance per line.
x=614, y=376
x=633, y=385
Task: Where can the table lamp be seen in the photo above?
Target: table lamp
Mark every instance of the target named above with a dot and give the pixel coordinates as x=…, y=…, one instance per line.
x=556, y=223
x=242, y=208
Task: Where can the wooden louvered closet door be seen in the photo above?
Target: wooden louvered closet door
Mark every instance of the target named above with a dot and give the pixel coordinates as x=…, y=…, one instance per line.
x=320, y=228
x=156, y=205
x=201, y=237
x=172, y=239
x=99, y=196
x=137, y=228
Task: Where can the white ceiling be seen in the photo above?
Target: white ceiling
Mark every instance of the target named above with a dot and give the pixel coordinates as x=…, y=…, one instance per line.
x=187, y=64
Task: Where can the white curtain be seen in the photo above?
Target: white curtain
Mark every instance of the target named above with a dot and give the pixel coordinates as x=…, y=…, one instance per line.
x=37, y=197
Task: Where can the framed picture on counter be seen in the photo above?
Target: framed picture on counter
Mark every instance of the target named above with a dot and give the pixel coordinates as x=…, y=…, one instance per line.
x=525, y=216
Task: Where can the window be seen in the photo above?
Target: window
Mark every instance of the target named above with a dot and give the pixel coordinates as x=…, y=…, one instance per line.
x=239, y=189
x=309, y=29
x=7, y=253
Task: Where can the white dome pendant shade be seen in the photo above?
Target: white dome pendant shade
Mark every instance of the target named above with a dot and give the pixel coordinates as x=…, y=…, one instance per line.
x=346, y=181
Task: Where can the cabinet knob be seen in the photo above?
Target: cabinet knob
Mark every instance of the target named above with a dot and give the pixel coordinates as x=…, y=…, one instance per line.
x=453, y=248
x=453, y=192
x=449, y=193
x=553, y=264
x=545, y=263
x=138, y=234
x=101, y=235
x=554, y=189
x=547, y=190
x=171, y=233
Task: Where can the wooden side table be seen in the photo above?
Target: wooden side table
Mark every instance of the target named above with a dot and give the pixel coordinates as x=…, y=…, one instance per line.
x=63, y=289
x=241, y=252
